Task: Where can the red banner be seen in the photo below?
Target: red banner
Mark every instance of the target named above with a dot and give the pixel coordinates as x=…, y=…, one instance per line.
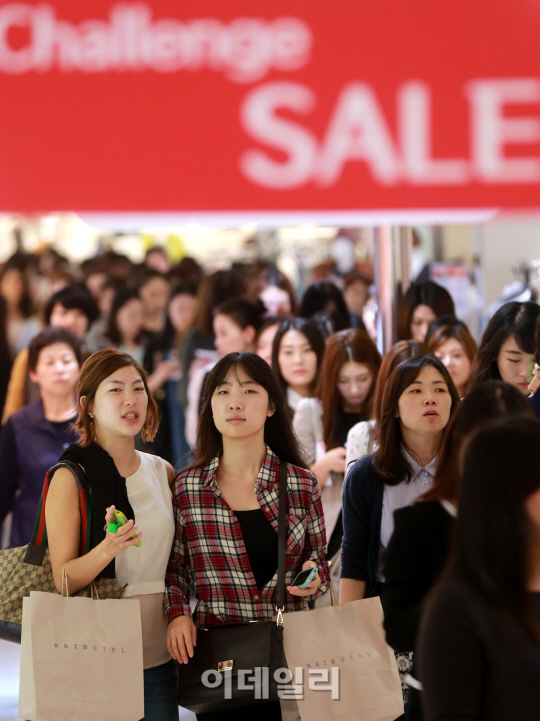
x=113, y=105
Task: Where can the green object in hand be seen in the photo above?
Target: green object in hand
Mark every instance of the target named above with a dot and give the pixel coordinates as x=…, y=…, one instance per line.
x=119, y=520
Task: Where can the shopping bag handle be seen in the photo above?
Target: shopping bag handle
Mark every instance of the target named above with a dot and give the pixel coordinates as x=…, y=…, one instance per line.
x=94, y=595
x=38, y=544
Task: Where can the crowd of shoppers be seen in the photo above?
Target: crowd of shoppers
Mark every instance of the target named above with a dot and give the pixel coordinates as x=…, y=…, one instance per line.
x=412, y=477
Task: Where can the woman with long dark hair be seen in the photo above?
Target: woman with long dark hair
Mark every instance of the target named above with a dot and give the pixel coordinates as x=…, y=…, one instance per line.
x=450, y=340
x=421, y=305
x=419, y=547
x=479, y=646
x=507, y=346
x=162, y=363
x=296, y=359
x=346, y=388
x=417, y=405
x=226, y=514
x=361, y=437
x=124, y=329
x=21, y=326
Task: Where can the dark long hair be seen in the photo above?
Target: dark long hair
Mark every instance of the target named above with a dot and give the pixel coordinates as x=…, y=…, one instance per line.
x=388, y=460
x=325, y=296
x=278, y=431
x=495, y=537
x=512, y=319
x=315, y=338
x=428, y=293
x=214, y=290
x=122, y=298
x=348, y=345
x=488, y=401
x=169, y=337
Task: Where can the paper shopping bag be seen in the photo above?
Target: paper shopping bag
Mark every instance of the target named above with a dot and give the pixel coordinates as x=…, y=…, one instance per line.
x=342, y=667
x=81, y=659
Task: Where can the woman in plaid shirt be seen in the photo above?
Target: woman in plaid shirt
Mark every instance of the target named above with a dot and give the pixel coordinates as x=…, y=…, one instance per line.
x=226, y=512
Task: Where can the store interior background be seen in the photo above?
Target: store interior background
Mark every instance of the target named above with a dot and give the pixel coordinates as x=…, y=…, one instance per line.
x=480, y=264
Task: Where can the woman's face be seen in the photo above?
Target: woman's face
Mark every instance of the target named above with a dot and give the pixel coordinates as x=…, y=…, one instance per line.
x=181, y=311
x=354, y=382
x=229, y=337
x=120, y=404
x=240, y=406
x=356, y=295
x=276, y=300
x=129, y=319
x=12, y=286
x=57, y=371
x=424, y=406
x=155, y=295
x=515, y=366
x=297, y=360
x=265, y=343
x=453, y=355
x=422, y=318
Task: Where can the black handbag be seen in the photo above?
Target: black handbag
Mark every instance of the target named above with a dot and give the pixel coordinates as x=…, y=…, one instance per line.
x=230, y=648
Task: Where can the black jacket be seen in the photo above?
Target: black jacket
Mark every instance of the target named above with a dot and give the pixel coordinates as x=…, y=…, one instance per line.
x=415, y=557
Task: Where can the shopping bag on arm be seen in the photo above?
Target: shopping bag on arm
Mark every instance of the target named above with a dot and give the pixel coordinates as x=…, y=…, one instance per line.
x=341, y=664
x=81, y=659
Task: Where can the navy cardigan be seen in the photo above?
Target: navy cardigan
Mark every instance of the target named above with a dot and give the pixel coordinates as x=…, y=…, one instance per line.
x=29, y=446
x=362, y=514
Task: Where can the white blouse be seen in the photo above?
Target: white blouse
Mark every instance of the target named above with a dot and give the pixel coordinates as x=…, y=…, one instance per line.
x=142, y=570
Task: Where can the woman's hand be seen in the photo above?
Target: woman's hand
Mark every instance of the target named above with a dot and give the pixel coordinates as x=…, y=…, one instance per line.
x=333, y=460
x=181, y=638
x=313, y=586
x=116, y=543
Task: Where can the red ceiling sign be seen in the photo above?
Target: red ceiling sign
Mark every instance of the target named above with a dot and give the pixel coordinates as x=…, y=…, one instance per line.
x=279, y=106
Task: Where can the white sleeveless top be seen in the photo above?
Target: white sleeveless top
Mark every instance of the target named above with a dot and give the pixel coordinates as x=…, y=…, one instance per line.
x=143, y=569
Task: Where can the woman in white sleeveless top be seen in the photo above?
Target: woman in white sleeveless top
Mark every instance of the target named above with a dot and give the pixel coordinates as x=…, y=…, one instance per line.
x=114, y=405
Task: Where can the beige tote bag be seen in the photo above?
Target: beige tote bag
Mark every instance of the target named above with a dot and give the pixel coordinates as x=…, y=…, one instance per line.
x=342, y=667
x=81, y=659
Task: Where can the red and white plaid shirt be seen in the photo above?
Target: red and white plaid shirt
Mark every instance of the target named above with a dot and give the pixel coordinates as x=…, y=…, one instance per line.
x=209, y=550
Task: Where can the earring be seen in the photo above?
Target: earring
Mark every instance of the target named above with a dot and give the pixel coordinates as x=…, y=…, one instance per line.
x=91, y=416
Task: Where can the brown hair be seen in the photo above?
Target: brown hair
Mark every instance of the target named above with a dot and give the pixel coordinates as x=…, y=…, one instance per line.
x=348, y=345
x=388, y=460
x=399, y=352
x=214, y=290
x=95, y=370
x=447, y=327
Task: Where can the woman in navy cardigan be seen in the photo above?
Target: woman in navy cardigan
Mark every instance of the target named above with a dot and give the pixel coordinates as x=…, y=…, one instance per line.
x=417, y=404
x=34, y=438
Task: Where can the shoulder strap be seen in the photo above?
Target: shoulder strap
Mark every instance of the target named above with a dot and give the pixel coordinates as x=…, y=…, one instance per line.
x=282, y=534
x=38, y=544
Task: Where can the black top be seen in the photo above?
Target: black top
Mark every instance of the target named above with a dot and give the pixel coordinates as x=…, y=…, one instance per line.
x=535, y=402
x=344, y=423
x=475, y=664
x=414, y=559
x=261, y=542
x=362, y=513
